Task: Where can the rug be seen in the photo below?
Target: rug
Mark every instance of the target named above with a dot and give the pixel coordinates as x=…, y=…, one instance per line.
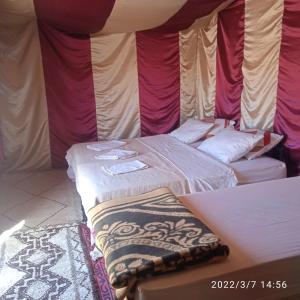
x=105, y=290
x=46, y=263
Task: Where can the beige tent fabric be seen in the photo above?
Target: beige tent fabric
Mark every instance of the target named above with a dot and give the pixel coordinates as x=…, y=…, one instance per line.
x=116, y=85
x=23, y=107
x=16, y=12
x=263, y=22
x=206, y=68
x=198, y=71
x=136, y=15
x=198, y=46
x=206, y=62
x=188, y=41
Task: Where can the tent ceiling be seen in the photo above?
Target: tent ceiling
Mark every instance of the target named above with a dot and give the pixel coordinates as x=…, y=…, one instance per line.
x=141, y=14
x=109, y=16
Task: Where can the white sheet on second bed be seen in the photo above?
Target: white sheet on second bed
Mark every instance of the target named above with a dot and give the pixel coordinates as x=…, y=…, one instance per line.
x=257, y=170
x=263, y=168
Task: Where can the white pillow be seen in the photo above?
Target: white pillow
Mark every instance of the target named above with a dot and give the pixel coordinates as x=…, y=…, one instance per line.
x=269, y=141
x=191, y=131
x=230, y=145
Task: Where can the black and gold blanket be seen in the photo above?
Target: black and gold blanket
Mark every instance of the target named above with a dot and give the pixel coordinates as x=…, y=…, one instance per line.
x=150, y=234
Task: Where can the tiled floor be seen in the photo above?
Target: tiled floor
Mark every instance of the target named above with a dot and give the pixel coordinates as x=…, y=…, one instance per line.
x=38, y=198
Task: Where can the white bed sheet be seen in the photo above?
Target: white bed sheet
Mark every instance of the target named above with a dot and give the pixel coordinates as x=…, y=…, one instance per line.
x=171, y=164
x=260, y=223
x=257, y=170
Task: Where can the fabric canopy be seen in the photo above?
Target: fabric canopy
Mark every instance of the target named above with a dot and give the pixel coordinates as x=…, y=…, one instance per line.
x=64, y=78
x=110, y=16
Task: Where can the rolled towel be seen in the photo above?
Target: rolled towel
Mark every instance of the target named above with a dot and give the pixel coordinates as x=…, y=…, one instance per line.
x=117, y=154
x=105, y=145
x=126, y=167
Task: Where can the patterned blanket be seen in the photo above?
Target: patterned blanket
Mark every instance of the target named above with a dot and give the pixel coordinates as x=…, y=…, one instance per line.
x=150, y=234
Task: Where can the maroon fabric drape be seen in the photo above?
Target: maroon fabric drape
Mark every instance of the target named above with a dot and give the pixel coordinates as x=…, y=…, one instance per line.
x=186, y=16
x=159, y=81
x=74, y=16
x=230, y=55
x=287, y=119
x=69, y=90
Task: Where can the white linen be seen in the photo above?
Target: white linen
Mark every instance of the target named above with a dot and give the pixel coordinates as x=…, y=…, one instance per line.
x=173, y=164
x=260, y=223
x=126, y=167
x=101, y=146
x=191, y=131
x=229, y=145
x=260, y=169
x=116, y=154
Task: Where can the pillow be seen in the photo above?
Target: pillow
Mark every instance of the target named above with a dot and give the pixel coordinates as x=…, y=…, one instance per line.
x=230, y=145
x=219, y=125
x=269, y=141
x=191, y=131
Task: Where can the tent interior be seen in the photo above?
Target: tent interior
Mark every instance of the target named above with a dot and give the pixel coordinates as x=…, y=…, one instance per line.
x=74, y=72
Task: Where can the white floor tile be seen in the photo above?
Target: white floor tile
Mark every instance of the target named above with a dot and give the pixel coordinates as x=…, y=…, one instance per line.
x=14, y=178
x=11, y=196
x=6, y=223
x=34, y=211
x=41, y=182
x=64, y=193
x=67, y=215
x=39, y=198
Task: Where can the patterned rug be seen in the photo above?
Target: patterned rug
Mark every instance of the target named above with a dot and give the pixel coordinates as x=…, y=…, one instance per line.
x=46, y=263
x=105, y=291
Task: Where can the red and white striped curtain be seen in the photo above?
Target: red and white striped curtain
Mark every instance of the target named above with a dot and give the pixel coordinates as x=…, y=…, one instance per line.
x=63, y=88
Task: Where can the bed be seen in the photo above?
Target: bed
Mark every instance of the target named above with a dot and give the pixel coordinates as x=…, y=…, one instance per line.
x=260, y=224
x=173, y=164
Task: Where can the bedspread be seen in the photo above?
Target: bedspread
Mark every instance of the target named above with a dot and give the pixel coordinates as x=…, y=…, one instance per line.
x=150, y=234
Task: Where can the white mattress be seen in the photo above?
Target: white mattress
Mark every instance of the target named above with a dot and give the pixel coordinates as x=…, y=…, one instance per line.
x=260, y=169
x=260, y=223
x=171, y=163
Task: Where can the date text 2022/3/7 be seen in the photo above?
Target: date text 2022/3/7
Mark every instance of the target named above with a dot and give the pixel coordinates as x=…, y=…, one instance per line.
x=248, y=284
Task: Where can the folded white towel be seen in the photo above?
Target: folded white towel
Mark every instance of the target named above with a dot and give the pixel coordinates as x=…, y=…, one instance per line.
x=126, y=167
x=105, y=145
x=116, y=154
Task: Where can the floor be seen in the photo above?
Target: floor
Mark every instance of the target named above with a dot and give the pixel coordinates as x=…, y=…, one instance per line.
x=38, y=198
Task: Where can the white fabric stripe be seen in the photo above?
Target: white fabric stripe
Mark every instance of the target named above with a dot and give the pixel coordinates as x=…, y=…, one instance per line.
x=188, y=73
x=116, y=85
x=198, y=46
x=198, y=69
x=23, y=105
x=16, y=12
x=263, y=22
x=136, y=15
x=206, y=68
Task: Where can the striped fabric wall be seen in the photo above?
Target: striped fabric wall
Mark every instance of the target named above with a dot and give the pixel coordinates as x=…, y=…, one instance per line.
x=240, y=63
